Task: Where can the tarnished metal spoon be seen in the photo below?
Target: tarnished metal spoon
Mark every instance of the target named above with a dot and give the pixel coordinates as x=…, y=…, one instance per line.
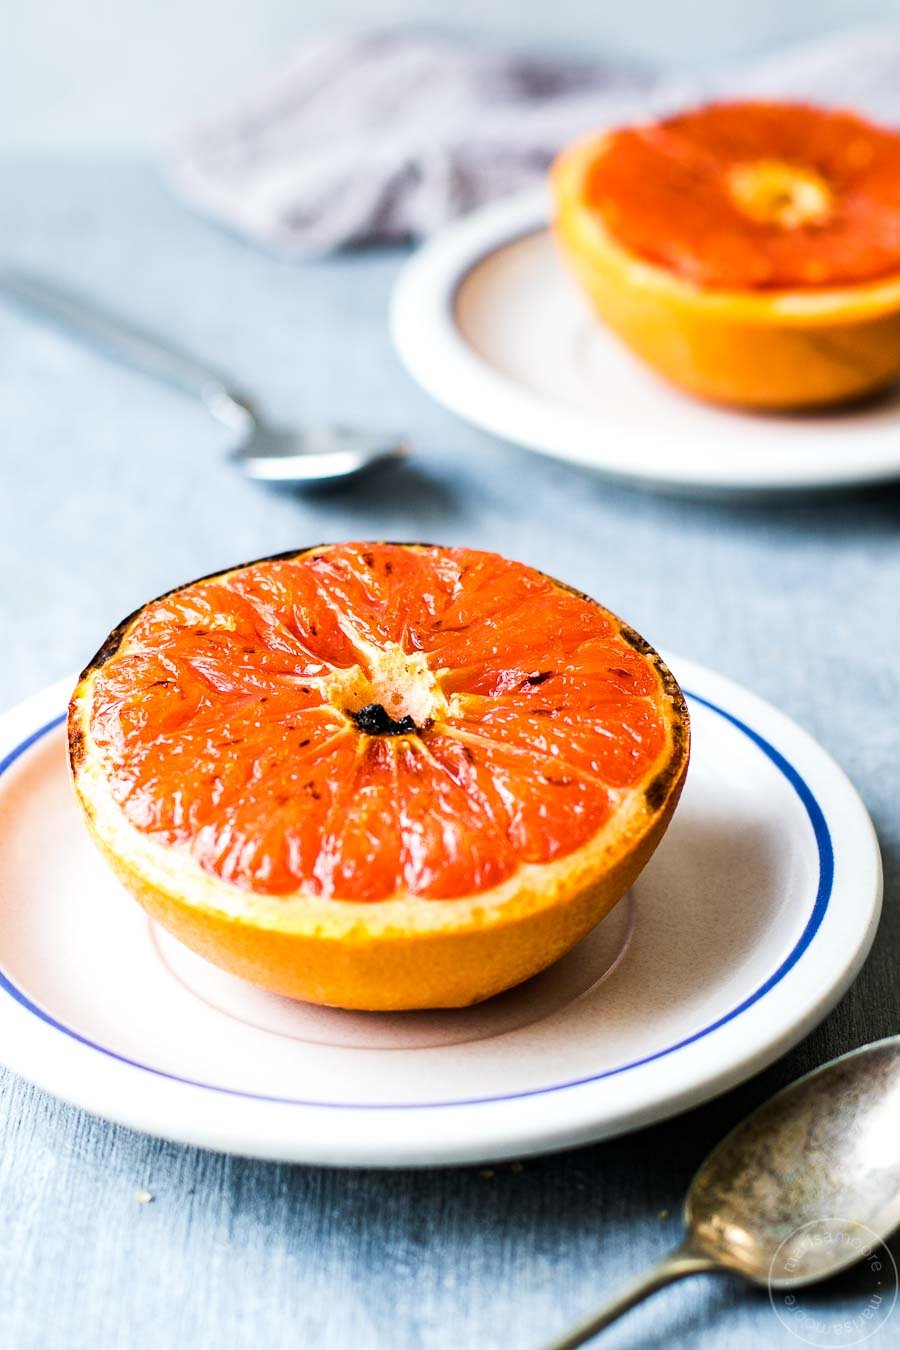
x=824, y=1154
x=307, y=454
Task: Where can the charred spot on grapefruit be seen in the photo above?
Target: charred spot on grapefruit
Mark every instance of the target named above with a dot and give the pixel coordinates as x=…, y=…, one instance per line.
x=378, y=775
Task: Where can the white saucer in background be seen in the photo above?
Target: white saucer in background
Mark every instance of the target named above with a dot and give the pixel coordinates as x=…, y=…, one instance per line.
x=487, y=320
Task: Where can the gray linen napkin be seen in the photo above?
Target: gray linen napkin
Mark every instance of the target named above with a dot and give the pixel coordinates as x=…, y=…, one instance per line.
x=389, y=135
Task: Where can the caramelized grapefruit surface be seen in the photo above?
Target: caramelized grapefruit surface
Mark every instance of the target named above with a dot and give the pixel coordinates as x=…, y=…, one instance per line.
x=754, y=196
x=363, y=720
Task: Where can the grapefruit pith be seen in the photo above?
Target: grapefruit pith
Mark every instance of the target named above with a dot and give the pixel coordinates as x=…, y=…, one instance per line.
x=749, y=251
x=378, y=775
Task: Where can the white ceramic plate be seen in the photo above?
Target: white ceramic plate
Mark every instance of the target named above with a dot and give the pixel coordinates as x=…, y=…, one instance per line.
x=487, y=320
x=751, y=920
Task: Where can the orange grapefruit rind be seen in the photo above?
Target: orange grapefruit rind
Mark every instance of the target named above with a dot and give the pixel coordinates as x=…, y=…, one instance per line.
x=767, y=349
x=404, y=951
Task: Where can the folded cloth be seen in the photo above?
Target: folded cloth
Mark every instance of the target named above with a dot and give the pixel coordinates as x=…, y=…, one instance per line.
x=388, y=135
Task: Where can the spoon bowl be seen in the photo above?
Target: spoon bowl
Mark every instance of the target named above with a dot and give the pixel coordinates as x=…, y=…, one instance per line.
x=314, y=454
x=823, y=1151
x=826, y=1147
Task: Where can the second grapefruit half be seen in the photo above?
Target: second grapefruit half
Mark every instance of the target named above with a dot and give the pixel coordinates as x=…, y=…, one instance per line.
x=749, y=252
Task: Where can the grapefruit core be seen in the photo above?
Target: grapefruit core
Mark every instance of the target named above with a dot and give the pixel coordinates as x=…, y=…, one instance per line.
x=749, y=251
x=378, y=775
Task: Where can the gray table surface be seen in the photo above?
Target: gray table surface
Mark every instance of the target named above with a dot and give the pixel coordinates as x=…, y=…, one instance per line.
x=113, y=490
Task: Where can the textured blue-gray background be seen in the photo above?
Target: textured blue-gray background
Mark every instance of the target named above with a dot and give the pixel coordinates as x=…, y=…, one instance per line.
x=103, y=73
x=113, y=490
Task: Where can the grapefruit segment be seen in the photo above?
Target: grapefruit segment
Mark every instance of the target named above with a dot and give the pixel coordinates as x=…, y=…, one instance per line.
x=386, y=744
x=612, y=743
x=546, y=809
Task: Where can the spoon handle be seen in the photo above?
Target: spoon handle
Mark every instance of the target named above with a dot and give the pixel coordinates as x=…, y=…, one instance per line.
x=123, y=341
x=675, y=1265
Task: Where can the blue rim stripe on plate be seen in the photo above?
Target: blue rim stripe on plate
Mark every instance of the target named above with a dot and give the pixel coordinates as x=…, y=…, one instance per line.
x=823, y=895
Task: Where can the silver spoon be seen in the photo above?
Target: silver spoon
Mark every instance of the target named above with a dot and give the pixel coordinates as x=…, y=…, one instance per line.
x=823, y=1153
x=313, y=454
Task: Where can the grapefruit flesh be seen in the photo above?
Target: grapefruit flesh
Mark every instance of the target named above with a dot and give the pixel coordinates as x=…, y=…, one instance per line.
x=743, y=196
x=378, y=775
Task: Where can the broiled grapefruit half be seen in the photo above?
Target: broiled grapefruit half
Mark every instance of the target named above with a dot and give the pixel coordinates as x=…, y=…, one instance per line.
x=749, y=252
x=378, y=776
